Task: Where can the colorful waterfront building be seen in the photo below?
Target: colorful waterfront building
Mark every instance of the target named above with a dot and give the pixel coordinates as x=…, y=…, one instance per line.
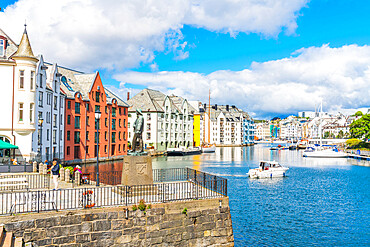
x=18, y=94
x=86, y=95
x=168, y=119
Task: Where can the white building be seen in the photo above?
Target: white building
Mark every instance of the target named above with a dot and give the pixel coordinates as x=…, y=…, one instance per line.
x=48, y=140
x=262, y=131
x=18, y=92
x=168, y=119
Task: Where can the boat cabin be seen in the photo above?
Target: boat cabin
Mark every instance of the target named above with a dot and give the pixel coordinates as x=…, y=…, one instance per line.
x=266, y=165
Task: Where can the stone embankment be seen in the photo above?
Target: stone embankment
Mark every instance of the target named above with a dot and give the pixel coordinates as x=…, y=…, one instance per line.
x=203, y=223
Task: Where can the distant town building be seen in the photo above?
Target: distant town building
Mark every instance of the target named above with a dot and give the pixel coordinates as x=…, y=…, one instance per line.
x=168, y=119
x=86, y=95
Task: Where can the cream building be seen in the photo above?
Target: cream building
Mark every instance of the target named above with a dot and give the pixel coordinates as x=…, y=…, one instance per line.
x=168, y=119
x=18, y=67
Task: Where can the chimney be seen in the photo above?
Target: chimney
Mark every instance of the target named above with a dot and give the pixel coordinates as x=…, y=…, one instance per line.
x=128, y=95
x=227, y=107
x=216, y=107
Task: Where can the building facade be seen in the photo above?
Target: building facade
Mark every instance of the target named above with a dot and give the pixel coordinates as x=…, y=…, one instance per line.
x=168, y=119
x=85, y=95
x=48, y=140
x=18, y=93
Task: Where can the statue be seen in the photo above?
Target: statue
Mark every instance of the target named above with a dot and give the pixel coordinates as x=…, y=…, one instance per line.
x=137, y=140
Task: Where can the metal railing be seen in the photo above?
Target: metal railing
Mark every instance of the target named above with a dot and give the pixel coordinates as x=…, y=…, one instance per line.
x=34, y=181
x=179, y=184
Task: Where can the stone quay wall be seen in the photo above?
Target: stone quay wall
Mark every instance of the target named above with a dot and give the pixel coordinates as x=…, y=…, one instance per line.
x=205, y=223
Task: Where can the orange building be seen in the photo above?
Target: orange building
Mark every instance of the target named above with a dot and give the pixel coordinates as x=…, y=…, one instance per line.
x=85, y=95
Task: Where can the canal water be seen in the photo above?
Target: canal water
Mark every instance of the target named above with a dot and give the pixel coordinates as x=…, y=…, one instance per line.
x=321, y=202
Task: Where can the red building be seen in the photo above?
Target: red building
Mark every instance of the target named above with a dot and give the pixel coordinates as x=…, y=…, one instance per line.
x=85, y=95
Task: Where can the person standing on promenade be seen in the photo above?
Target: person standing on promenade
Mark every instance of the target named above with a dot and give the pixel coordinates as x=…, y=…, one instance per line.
x=55, y=173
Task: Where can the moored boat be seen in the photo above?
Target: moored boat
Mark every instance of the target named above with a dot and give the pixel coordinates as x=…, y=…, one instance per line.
x=209, y=148
x=326, y=153
x=268, y=169
x=183, y=151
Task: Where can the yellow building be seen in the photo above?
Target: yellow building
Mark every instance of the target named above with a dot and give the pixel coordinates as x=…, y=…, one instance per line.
x=196, y=130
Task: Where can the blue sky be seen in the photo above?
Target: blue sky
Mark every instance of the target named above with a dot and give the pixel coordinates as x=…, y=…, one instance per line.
x=239, y=66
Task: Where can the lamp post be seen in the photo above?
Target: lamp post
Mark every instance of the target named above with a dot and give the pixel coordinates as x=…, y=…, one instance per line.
x=97, y=117
x=41, y=121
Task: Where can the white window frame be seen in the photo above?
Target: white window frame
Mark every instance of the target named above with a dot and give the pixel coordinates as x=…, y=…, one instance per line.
x=21, y=79
x=2, y=47
x=20, y=112
x=32, y=109
x=32, y=81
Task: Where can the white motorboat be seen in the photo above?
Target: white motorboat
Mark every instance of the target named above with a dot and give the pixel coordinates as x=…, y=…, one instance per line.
x=326, y=153
x=209, y=148
x=268, y=169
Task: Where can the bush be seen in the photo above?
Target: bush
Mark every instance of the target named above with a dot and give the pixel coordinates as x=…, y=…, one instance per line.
x=134, y=208
x=185, y=211
x=70, y=168
x=142, y=205
x=353, y=142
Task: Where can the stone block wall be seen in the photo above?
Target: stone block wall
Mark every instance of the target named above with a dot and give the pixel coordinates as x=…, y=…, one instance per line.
x=204, y=224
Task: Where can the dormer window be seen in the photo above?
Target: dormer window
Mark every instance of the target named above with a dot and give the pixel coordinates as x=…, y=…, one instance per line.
x=2, y=47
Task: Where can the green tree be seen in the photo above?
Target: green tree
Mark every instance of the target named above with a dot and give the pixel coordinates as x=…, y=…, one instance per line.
x=359, y=113
x=361, y=127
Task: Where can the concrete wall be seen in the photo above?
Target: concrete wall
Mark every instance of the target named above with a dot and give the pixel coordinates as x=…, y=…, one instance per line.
x=205, y=224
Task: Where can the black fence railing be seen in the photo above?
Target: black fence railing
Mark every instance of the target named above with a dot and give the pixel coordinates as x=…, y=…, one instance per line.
x=209, y=181
x=14, y=182
x=178, y=184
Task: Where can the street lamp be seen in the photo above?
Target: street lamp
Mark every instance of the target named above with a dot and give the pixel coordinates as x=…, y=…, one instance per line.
x=97, y=117
x=41, y=121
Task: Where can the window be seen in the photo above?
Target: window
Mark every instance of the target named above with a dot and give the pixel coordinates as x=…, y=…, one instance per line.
x=124, y=123
x=119, y=135
x=119, y=122
x=77, y=122
x=77, y=137
x=77, y=108
x=47, y=134
x=106, y=109
x=149, y=117
x=54, y=136
x=105, y=149
x=148, y=126
x=68, y=135
x=32, y=80
x=20, y=112
x=87, y=149
x=21, y=79
x=87, y=135
x=2, y=47
x=119, y=111
x=97, y=96
x=97, y=124
x=55, y=120
x=113, y=112
x=113, y=124
x=69, y=119
x=87, y=121
x=61, y=119
x=97, y=108
x=124, y=135
x=113, y=137
x=55, y=102
x=148, y=135
x=128, y=125
x=31, y=112
x=40, y=115
x=87, y=107
x=41, y=98
x=69, y=104
x=106, y=122
x=61, y=103
x=68, y=150
x=41, y=80
x=48, y=99
x=106, y=135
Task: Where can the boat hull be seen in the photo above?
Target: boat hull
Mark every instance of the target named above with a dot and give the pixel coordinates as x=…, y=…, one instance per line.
x=209, y=149
x=325, y=154
x=183, y=153
x=273, y=173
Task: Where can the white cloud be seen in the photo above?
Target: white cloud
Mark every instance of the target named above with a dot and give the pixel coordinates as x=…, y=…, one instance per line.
x=338, y=76
x=93, y=34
